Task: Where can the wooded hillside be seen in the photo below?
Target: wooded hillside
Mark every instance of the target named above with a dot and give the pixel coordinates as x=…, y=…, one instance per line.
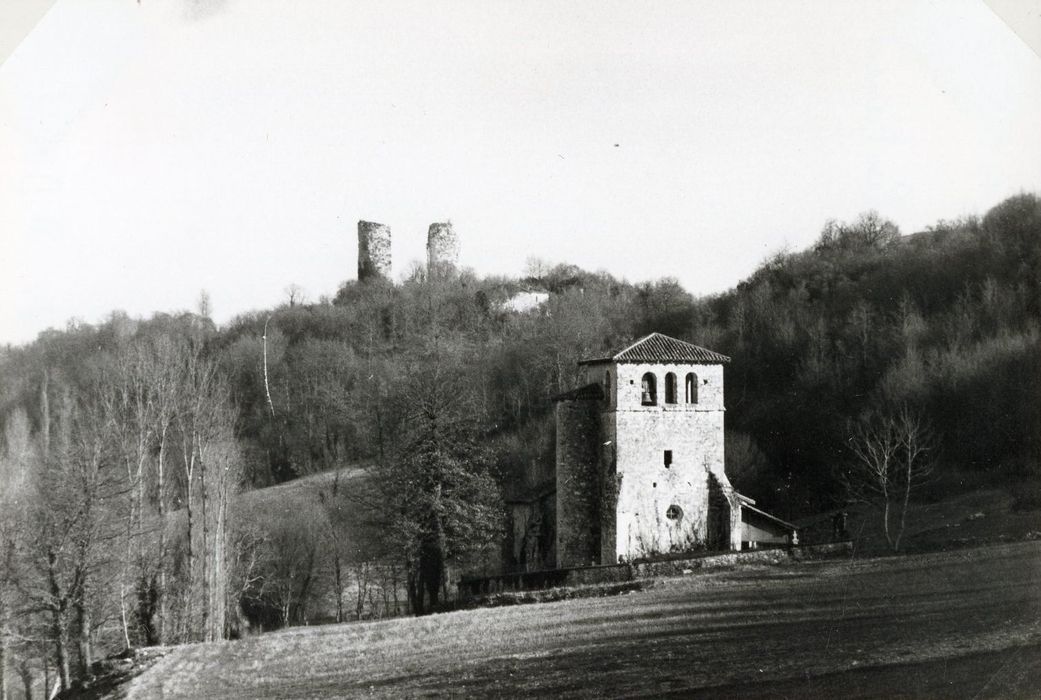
x=110, y=429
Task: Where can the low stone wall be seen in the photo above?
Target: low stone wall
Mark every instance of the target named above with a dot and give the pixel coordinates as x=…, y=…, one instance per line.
x=823, y=551
x=613, y=573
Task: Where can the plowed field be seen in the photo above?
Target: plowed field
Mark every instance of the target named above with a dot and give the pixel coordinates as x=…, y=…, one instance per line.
x=959, y=624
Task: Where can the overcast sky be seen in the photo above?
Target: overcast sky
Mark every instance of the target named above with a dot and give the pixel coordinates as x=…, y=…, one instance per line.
x=149, y=151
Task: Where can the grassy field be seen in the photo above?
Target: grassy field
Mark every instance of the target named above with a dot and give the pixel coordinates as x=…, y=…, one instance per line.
x=970, y=518
x=965, y=623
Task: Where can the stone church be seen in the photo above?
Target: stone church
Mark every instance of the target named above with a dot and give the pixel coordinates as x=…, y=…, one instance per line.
x=639, y=467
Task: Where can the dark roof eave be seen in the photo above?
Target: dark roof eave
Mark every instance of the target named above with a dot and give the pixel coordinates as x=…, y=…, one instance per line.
x=598, y=361
x=745, y=499
x=589, y=392
x=680, y=361
x=763, y=513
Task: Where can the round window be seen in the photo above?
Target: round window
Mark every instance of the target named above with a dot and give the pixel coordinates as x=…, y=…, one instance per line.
x=674, y=512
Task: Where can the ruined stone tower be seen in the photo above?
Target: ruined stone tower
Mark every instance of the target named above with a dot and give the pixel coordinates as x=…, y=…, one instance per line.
x=640, y=468
x=373, y=251
x=442, y=248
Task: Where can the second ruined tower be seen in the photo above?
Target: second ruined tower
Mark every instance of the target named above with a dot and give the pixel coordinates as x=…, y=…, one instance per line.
x=442, y=248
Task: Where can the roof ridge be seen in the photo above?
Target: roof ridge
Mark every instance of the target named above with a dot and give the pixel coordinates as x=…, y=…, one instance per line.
x=633, y=345
x=658, y=347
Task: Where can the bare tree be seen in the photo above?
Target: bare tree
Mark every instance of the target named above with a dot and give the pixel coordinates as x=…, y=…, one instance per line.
x=536, y=267
x=335, y=509
x=295, y=294
x=145, y=396
x=246, y=545
x=290, y=567
x=204, y=305
x=129, y=399
x=17, y=458
x=891, y=456
x=73, y=528
x=221, y=474
x=203, y=422
x=166, y=375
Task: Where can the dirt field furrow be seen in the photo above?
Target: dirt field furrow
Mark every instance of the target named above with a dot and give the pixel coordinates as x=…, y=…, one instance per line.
x=964, y=624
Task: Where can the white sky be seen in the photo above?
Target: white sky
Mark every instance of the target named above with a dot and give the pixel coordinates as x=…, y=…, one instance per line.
x=149, y=151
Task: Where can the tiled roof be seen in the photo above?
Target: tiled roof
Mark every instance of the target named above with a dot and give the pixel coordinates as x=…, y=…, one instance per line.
x=661, y=348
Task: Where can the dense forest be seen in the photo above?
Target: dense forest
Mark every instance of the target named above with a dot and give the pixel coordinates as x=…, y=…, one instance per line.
x=124, y=442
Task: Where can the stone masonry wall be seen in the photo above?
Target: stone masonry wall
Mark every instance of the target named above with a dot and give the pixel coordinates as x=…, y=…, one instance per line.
x=442, y=248
x=649, y=492
x=472, y=587
x=578, y=483
x=373, y=251
x=720, y=523
x=610, y=485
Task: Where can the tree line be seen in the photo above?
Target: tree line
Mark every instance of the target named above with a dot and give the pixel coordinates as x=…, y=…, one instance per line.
x=102, y=446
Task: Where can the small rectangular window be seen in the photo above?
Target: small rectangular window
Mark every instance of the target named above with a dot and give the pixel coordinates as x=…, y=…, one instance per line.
x=668, y=458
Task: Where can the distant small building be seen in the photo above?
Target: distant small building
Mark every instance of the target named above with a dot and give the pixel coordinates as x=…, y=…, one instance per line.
x=640, y=466
x=760, y=529
x=522, y=302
